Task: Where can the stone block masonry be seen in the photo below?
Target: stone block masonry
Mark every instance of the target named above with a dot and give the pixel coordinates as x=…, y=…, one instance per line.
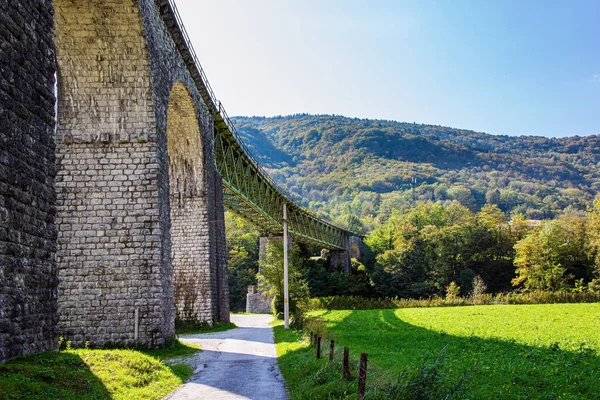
x=190, y=250
x=28, y=273
x=109, y=246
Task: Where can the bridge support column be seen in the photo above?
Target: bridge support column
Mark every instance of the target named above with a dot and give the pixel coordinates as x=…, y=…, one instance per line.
x=340, y=259
x=113, y=181
x=28, y=275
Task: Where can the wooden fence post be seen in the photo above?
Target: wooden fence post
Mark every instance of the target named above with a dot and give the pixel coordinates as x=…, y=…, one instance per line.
x=318, y=347
x=331, y=346
x=362, y=375
x=346, y=363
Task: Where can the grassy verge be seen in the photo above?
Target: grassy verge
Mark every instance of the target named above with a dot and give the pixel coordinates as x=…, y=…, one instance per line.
x=94, y=374
x=306, y=377
x=192, y=328
x=545, y=351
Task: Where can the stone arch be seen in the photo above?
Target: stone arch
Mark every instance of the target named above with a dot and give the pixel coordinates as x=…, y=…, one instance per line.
x=184, y=145
x=190, y=225
x=115, y=283
x=105, y=85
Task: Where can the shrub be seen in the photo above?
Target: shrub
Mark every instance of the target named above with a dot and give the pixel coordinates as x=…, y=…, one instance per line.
x=479, y=289
x=452, y=290
x=530, y=297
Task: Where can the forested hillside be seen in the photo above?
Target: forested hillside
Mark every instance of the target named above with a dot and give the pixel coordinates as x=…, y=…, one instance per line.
x=347, y=166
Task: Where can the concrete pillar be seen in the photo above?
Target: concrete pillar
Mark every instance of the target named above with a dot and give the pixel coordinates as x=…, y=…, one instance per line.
x=340, y=260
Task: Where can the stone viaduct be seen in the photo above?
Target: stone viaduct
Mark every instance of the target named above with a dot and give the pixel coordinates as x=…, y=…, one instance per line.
x=111, y=205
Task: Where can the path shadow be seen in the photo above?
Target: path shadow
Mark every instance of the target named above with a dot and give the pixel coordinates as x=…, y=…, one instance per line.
x=500, y=369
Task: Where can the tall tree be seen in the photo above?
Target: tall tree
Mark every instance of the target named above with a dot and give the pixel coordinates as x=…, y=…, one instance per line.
x=594, y=235
x=271, y=276
x=553, y=256
x=242, y=263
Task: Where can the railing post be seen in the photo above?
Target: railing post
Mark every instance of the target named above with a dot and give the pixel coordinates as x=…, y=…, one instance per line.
x=318, y=347
x=331, y=347
x=362, y=375
x=346, y=363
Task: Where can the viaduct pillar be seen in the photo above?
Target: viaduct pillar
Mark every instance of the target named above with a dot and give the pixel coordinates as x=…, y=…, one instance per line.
x=28, y=274
x=341, y=259
x=140, y=213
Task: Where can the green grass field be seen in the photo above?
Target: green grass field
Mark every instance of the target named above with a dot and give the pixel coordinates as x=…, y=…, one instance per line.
x=80, y=374
x=549, y=351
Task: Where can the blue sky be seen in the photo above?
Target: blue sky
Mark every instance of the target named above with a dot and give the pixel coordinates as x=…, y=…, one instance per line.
x=504, y=67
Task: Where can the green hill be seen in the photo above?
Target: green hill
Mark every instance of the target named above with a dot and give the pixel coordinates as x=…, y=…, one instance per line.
x=343, y=166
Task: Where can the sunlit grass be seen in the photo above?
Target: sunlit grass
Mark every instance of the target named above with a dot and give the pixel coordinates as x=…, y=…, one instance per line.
x=545, y=351
x=566, y=326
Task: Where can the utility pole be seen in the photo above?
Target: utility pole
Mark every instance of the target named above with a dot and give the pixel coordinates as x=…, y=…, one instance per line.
x=286, y=294
x=414, y=188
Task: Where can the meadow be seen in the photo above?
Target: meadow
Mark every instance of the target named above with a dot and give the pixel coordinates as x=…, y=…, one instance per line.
x=546, y=351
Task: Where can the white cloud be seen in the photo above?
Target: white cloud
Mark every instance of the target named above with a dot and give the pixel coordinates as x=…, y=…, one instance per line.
x=596, y=78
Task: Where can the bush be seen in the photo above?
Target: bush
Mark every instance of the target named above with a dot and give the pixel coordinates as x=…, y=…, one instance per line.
x=452, y=291
x=297, y=307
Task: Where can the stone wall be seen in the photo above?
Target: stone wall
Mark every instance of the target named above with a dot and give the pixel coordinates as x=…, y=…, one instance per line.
x=258, y=302
x=28, y=275
x=191, y=274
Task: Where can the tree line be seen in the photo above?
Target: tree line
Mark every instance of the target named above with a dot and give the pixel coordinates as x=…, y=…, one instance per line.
x=434, y=249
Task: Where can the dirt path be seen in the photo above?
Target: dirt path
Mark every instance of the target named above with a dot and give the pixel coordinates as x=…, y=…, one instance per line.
x=237, y=364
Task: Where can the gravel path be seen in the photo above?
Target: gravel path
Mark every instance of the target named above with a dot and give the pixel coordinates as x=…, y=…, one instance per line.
x=237, y=364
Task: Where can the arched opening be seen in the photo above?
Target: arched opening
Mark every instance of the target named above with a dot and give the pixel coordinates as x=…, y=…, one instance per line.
x=189, y=216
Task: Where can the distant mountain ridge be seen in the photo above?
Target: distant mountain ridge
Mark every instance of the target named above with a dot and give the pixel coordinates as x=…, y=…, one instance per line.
x=331, y=161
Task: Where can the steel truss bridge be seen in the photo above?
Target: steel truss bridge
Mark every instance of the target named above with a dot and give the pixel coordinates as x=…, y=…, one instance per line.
x=247, y=188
